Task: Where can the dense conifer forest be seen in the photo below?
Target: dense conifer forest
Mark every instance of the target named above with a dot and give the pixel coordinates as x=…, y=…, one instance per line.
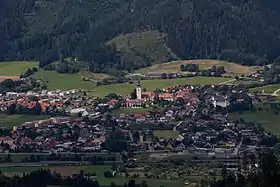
x=243, y=31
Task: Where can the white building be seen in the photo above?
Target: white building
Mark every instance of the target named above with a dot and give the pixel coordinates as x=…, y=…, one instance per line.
x=219, y=101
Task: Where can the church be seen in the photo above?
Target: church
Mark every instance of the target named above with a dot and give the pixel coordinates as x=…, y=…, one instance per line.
x=141, y=98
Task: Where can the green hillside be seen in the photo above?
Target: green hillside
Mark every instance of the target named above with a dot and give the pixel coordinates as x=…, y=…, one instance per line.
x=143, y=48
x=144, y=31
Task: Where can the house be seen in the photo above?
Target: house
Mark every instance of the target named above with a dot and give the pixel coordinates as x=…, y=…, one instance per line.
x=181, y=147
x=77, y=111
x=169, y=114
x=133, y=103
x=221, y=101
x=6, y=140
x=166, y=96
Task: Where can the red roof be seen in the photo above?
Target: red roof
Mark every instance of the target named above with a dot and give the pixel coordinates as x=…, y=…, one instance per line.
x=26, y=140
x=6, y=139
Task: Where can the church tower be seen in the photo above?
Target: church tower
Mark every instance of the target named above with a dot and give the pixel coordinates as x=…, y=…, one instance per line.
x=138, y=91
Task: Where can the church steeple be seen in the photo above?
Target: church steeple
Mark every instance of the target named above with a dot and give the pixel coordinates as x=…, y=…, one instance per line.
x=138, y=91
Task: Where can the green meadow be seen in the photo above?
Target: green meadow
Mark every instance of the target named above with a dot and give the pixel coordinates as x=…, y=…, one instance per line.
x=153, y=84
x=16, y=68
x=99, y=170
x=12, y=120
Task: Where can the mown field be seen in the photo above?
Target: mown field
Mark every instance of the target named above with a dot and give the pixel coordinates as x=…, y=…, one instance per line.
x=16, y=68
x=153, y=84
x=9, y=121
x=266, y=89
x=166, y=134
x=56, y=80
x=174, y=67
x=99, y=170
x=269, y=121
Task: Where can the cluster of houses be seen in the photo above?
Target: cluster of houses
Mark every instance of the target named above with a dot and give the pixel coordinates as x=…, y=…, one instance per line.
x=71, y=102
x=190, y=111
x=61, y=134
x=144, y=99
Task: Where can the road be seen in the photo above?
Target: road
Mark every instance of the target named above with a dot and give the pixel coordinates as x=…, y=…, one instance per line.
x=226, y=82
x=275, y=93
x=175, y=128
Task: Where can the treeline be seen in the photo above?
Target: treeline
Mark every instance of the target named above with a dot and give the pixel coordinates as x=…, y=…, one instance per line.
x=43, y=178
x=267, y=174
x=241, y=31
x=25, y=85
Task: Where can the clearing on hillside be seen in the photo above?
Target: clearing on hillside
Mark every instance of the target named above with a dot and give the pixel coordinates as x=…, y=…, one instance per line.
x=174, y=67
x=141, y=47
x=16, y=68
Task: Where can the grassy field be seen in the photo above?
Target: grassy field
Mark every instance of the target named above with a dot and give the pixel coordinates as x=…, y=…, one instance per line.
x=151, y=85
x=99, y=170
x=56, y=80
x=267, y=89
x=270, y=121
x=15, y=68
x=133, y=110
x=11, y=120
x=166, y=134
x=174, y=66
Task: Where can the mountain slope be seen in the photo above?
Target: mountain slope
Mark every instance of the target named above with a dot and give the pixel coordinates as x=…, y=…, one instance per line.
x=245, y=31
x=142, y=49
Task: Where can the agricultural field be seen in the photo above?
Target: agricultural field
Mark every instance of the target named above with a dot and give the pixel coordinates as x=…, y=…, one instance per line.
x=267, y=89
x=265, y=117
x=174, y=67
x=12, y=70
x=9, y=121
x=153, y=84
x=166, y=134
x=16, y=68
x=56, y=80
x=99, y=170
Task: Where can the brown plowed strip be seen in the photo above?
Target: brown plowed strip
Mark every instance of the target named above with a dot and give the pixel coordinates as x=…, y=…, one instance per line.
x=2, y=78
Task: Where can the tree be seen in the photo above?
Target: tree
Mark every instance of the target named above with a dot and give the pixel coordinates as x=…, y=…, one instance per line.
x=214, y=68
x=143, y=184
x=133, y=94
x=131, y=183
x=114, y=167
x=164, y=76
x=221, y=69
x=11, y=109
x=182, y=67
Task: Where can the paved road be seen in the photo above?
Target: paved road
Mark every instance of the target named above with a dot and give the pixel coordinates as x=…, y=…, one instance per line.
x=275, y=93
x=175, y=128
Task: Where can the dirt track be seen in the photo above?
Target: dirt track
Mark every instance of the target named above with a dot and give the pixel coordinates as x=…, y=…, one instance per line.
x=2, y=78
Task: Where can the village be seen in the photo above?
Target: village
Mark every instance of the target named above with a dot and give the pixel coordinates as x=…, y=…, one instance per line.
x=196, y=116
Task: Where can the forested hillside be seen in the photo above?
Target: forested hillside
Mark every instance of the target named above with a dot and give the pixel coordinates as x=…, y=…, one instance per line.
x=245, y=31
